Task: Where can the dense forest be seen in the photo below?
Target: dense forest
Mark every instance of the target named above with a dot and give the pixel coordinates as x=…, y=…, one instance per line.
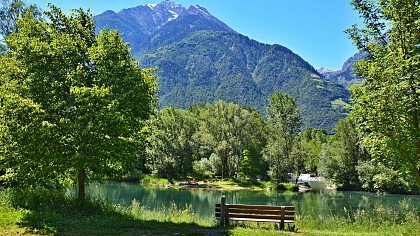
x=75, y=106
x=227, y=140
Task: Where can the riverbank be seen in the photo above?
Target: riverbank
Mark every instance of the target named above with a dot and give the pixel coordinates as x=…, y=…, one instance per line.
x=218, y=184
x=42, y=212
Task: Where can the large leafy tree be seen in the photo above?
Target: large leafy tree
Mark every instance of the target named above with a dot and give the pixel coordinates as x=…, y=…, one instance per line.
x=285, y=123
x=226, y=130
x=307, y=149
x=339, y=159
x=387, y=104
x=72, y=103
x=171, y=147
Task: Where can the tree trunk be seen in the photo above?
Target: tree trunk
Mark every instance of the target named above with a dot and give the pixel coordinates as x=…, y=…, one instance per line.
x=416, y=127
x=223, y=167
x=81, y=179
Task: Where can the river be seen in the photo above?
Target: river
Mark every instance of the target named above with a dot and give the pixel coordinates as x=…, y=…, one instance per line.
x=202, y=201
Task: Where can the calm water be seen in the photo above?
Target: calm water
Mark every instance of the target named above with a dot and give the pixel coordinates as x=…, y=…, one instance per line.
x=202, y=201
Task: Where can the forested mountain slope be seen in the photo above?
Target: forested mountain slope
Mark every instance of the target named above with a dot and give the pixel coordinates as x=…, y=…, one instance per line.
x=201, y=60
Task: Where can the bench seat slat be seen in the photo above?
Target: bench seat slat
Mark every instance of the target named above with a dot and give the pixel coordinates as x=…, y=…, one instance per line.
x=262, y=207
x=258, y=211
x=259, y=220
x=250, y=216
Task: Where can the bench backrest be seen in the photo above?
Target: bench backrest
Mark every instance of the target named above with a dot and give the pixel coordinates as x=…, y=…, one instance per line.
x=240, y=211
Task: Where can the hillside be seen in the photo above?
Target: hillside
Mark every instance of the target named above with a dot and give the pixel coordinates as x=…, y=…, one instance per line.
x=201, y=60
x=208, y=66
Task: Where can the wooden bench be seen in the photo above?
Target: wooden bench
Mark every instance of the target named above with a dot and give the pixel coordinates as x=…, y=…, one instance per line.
x=257, y=213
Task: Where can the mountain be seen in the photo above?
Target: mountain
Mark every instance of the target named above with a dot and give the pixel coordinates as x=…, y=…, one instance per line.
x=324, y=70
x=344, y=76
x=152, y=25
x=201, y=60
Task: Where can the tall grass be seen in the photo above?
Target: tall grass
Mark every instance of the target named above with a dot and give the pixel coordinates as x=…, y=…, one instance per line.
x=53, y=212
x=404, y=221
x=9, y=216
x=172, y=214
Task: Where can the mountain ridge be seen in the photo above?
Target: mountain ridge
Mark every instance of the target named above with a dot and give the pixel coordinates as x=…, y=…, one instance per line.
x=202, y=60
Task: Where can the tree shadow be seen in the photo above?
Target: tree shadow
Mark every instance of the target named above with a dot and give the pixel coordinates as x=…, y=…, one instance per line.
x=54, y=214
x=97, y=221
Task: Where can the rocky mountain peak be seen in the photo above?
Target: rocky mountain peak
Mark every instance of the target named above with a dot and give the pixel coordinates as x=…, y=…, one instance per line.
x=198, y=10
x=323, y=70
x=171, y=4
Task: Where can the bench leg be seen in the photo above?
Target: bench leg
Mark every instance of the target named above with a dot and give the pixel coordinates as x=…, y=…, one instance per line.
x=282, y=225
x=283, y=212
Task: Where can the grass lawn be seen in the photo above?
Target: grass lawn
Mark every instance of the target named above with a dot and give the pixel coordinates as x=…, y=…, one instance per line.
x=49, y=213
x=225, y=185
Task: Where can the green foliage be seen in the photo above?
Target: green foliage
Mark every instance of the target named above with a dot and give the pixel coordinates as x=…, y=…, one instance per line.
x=285, y=123
x=10, y=12
x=246, y=166
x=8, y=214
x=149, y=180
x=387, y=104
x=307, y=150
x=287, y=187
x=171, y=146
x=206, y=141
x=377, y=177
x=341, y=157
x=226, y=129
x=73, y=103
x=205, y=168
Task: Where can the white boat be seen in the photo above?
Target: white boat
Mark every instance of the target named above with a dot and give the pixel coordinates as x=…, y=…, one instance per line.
x=316, y=183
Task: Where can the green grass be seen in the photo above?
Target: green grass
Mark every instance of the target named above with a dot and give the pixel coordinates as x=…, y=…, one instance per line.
x=339, y=103
x=228, y=184
x=149, y=180
x=51, y=213
x=45, y=212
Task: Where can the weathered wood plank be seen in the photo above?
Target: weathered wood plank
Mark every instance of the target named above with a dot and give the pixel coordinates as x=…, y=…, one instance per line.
x=259, y=211
x=218, y=214
x=259, y=220
x=242, y=206
x=250, y=216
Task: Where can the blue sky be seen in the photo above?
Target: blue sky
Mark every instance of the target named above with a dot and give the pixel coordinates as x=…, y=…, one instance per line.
x=311, y=28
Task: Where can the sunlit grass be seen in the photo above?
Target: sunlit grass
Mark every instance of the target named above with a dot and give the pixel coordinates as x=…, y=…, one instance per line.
x=48, y=212
x=172, y=214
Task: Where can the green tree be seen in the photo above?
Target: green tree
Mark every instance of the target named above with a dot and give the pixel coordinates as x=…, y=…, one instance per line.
x=387, y=104
x=171, y=147
x=227, y=130
x=375, y=176
x=285, y=124
x=340, y=158
x=307, y=149
x=72, y=103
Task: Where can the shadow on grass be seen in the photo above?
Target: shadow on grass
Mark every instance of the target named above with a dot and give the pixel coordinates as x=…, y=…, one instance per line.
x=110, y=223
x=53, y=213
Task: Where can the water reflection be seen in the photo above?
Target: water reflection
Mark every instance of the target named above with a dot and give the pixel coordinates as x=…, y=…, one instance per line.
x=202, y=201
